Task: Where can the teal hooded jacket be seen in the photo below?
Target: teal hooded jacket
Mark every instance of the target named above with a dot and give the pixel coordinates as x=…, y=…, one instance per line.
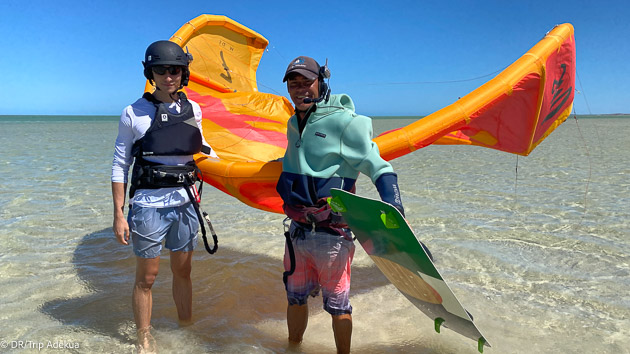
x=334, y=146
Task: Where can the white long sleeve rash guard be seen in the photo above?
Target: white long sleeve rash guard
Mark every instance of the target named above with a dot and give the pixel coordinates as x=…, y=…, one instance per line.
x=134, y=122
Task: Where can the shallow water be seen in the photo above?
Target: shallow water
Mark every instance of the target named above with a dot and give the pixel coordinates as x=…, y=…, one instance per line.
x=537, y=248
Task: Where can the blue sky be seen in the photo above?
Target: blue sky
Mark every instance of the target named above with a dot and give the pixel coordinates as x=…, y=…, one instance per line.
x=84, y=57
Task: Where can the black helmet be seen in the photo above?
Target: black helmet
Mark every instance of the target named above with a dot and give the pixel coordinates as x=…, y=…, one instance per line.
x=166, y=53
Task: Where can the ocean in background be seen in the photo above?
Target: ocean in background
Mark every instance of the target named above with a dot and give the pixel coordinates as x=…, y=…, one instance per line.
x=537, y=248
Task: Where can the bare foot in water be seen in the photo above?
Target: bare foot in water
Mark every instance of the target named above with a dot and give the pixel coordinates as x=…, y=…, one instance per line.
x=146, y=342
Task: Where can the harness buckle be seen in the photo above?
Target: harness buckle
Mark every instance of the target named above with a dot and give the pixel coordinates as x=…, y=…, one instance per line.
x=313, y=220
x=286, y=225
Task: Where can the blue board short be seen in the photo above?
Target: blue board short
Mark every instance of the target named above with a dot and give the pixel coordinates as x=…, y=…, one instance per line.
x=149, y=226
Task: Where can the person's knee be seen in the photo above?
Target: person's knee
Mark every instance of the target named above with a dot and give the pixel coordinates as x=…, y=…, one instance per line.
x=183, y=273
x=181, y=270
x=342, y=317
x=146, y=281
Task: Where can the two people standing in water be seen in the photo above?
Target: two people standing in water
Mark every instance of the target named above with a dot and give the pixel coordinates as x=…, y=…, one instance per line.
x=160, y=132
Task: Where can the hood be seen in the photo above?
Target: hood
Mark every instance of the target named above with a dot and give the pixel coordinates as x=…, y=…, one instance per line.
x=336, y=103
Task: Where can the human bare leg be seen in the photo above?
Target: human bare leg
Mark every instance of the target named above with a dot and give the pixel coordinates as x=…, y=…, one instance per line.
x=181, y=266
x=142, y=299
x=342, y=327
x=297, y=320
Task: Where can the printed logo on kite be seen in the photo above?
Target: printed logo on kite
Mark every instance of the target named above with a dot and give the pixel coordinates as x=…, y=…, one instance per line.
x=227, y=77
x=560, y=94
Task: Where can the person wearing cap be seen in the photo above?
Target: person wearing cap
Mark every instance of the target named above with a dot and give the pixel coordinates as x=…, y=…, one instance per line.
x=328, y=146
x=160, y=131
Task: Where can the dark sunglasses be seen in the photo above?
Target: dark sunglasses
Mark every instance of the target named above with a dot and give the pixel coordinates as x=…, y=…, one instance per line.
x=161, y=70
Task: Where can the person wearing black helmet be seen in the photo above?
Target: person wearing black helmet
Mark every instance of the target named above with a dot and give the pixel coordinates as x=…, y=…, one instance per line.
x=328, y=146
x=159, y=133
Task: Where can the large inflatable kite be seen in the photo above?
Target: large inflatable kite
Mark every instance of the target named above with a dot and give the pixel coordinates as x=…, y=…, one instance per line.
x=513, y=112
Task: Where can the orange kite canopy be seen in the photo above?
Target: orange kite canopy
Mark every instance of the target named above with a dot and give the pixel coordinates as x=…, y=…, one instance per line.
x=513, y=112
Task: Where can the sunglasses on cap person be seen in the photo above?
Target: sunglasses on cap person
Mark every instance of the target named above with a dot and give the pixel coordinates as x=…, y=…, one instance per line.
x=161, y=69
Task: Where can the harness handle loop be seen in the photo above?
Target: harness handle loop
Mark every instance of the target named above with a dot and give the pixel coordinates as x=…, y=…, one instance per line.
x=287, y=236
x=201, y=218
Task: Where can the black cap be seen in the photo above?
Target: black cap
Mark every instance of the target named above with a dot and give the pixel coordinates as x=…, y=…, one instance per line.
x=305, y=66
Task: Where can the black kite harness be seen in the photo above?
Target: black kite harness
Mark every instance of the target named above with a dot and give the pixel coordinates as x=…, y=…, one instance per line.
x=171, y=134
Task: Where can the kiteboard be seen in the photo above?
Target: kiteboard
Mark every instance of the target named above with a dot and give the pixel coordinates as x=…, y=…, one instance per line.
x=387, y=238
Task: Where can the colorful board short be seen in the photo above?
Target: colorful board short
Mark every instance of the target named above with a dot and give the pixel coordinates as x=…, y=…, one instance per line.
x=149, y=226
x=322, y=261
